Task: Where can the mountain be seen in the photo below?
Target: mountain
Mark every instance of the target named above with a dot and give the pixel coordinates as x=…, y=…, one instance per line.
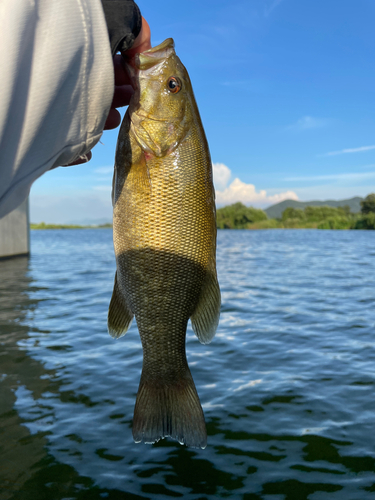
x=275, y=211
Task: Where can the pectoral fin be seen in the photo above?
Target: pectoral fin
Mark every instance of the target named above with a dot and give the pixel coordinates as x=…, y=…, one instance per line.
x=205, y=318
x=119, y=313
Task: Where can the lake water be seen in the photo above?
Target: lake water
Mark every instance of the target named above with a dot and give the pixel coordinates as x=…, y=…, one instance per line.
x=287, y=385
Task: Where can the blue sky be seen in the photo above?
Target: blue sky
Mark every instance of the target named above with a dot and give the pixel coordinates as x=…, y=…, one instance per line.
x=286, y=90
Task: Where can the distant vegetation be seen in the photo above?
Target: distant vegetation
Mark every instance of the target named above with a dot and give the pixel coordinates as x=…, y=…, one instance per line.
x=238, y=216
x=43, y=225
x=368, y=204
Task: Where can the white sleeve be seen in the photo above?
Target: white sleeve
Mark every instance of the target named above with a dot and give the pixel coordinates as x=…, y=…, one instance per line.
x=57, y=83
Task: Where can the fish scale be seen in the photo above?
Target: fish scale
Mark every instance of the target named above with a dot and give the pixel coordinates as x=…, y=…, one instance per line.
x=165, y=244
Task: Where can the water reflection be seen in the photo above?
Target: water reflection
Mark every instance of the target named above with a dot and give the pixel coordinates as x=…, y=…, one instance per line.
x=19, y=451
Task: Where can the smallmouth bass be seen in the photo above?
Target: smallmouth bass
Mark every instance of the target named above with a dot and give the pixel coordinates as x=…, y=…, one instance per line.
x=164, y=229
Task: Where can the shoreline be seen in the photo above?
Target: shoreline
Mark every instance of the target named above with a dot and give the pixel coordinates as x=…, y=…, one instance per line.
x=43, y=225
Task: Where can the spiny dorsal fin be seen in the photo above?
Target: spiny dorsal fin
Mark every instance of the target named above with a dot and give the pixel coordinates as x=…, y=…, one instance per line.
x=119, y=313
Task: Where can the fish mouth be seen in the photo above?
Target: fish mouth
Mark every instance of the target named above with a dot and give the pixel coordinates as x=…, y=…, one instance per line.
x=167, y=44
x=149, y=58
x=155, y=55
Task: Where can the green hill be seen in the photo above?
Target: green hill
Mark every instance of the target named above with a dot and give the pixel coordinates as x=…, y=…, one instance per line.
x=275, y=211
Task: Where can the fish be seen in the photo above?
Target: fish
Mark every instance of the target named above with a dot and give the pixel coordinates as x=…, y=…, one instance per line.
x=164, y=233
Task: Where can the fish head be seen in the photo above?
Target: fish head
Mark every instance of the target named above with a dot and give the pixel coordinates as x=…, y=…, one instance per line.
x=160, y=109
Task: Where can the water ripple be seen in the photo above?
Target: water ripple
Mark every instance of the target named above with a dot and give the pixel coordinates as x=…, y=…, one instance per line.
x=287, y=384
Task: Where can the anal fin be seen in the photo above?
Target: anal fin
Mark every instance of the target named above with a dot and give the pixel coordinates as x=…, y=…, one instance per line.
x=205, y=318
x=119, y=313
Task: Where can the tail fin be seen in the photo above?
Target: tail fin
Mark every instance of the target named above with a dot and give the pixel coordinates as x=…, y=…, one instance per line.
x=169, y=410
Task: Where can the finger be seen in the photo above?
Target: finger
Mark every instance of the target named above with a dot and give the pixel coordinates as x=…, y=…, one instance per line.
x=142, y=42
x=113, y=119
x=122, y=96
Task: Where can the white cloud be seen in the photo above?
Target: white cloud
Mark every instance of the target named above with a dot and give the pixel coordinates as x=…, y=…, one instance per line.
x=352, y=150
x=245, y=193
x=221, y=175
x=307, y=123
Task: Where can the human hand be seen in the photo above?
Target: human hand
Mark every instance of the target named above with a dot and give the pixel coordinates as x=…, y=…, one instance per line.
x=123, y=87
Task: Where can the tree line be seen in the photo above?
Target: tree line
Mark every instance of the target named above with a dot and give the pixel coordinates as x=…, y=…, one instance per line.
x=238, y=216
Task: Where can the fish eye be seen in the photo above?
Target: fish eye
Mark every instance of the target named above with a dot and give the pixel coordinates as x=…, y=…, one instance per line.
x=174, y=84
